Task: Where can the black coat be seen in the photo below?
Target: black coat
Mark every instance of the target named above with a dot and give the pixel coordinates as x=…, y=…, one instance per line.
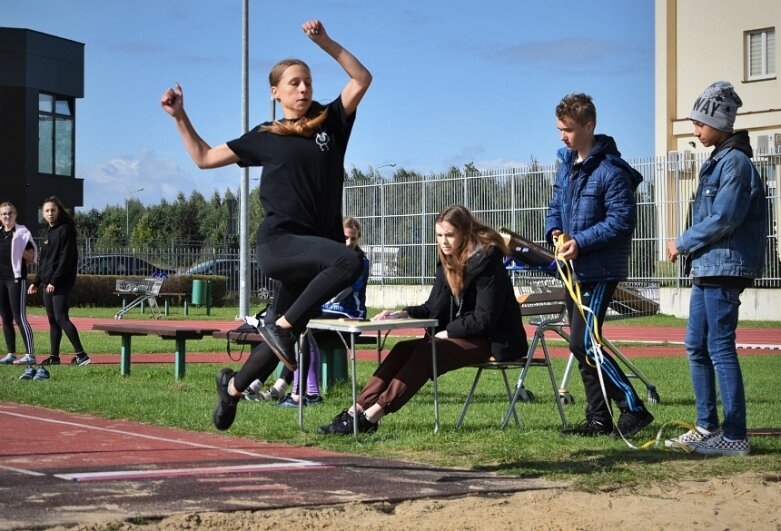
x=487, y=308
x=58, y=257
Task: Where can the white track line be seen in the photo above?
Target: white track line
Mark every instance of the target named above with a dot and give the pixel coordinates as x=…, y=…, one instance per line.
x=184, y=472
x=87, y=476
x=22, y=471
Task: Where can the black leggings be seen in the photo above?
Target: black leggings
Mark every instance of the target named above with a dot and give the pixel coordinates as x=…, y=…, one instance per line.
x=262, y=362
x=310, y=271
x=13, y=307
x=56, y=305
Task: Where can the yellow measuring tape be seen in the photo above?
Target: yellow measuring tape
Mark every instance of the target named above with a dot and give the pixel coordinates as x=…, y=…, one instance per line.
x=567, y=275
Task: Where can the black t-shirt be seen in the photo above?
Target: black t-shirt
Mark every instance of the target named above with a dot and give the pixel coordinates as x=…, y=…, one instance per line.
x=6, y=267
x=302, y=179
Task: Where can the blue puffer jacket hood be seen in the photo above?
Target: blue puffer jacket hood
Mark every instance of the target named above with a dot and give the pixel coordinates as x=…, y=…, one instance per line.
x=604, y=146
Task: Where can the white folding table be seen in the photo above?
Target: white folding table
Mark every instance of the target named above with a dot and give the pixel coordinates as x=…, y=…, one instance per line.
x=353, y=328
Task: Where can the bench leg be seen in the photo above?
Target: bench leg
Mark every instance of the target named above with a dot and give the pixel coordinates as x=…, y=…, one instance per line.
x=124, y=353
x=167, y=306
x=180, y=358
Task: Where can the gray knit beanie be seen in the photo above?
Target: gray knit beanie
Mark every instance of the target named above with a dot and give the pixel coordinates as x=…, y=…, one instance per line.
x=717, y=106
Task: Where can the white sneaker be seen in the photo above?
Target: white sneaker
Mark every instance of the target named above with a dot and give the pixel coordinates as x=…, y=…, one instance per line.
x=252, y=320
x=270, y=394
x=8, y=360
x=28, y=359
x=687, y=441
x=716, y=444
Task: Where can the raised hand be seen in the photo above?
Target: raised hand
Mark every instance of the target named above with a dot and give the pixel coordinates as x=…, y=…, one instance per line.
x=172, y=100
x=315, y=30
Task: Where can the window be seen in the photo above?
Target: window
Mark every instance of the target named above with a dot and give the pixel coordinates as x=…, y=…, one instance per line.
x=761, y=54
x=55, y=135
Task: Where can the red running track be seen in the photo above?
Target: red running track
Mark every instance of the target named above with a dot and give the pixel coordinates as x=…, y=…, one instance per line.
x=652, y=341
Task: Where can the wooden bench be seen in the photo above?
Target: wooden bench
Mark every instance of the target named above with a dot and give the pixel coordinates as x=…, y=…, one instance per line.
x=179, y=333
x=166, y=300
x=333, y=355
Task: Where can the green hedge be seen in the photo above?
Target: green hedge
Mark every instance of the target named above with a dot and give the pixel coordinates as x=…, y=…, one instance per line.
x=100, y=290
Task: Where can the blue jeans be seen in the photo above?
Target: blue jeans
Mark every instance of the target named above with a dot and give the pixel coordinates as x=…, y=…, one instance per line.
x=710, y=345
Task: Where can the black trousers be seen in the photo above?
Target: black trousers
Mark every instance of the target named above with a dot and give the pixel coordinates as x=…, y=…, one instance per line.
x=597, y=297
x=13, y=307
x=57, y=306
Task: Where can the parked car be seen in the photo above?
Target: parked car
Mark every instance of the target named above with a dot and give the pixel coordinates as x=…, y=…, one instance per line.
x=119, y=265
x=229, y=268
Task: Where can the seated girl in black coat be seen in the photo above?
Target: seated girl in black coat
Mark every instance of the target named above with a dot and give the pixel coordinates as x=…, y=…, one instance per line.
x=479, y=317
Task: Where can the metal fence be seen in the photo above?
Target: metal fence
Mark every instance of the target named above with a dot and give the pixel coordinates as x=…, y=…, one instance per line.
x=397, y=216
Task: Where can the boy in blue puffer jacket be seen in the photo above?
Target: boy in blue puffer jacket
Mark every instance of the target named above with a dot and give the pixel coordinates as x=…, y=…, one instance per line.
x=726, y=248
x=593, y=205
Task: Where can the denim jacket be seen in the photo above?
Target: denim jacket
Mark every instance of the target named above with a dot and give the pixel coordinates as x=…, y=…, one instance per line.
x=728, y=231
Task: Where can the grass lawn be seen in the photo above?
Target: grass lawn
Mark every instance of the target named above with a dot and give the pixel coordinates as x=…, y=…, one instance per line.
x=153, y=396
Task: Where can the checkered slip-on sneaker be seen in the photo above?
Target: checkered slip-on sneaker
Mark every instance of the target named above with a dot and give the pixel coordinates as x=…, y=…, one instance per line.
x=716, y=444
x=686, y=441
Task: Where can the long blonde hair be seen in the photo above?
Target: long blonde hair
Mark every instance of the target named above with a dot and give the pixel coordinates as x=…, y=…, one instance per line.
x=476, y=237
x=308, y=124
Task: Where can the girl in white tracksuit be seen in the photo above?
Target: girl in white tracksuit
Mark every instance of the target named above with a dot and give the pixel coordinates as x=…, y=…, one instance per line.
x=17, y=249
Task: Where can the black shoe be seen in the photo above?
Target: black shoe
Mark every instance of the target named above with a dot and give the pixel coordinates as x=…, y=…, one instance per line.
x=80, y=359
x=312, y=400
x=589, y=428
x=225, y=411
x=281, y=343
x=630, y=422
x=51, y=360
x=343, y=425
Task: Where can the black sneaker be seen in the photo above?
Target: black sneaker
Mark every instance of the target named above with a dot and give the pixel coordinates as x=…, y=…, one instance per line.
x=51, y=360
x=312, y=400
x=225, y=410
x=81, y=359
x=282, y=344
x=343, y=425
x=589, y=428
x=630, y=422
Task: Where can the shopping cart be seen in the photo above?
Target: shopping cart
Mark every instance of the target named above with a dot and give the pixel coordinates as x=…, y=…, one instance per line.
x=146, y=291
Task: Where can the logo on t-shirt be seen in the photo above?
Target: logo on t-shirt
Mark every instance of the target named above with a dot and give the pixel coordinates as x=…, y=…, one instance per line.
x=322, y=140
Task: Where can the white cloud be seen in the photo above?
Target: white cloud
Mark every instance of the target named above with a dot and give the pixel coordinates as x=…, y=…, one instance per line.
x=161, y=178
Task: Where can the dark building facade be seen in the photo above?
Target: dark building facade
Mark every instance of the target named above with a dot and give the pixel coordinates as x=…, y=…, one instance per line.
x=41, y=76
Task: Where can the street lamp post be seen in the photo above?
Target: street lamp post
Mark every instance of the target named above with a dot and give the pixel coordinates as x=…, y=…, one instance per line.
x=383, y=260
x=127, y=212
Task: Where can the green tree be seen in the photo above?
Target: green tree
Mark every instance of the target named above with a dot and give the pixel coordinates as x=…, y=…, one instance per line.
x=89, y=223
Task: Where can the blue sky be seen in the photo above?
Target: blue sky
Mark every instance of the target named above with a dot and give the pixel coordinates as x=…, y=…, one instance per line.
x=454, y=82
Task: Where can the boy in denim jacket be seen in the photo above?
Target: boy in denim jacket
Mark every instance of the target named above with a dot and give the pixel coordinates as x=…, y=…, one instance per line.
x=725, y=246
